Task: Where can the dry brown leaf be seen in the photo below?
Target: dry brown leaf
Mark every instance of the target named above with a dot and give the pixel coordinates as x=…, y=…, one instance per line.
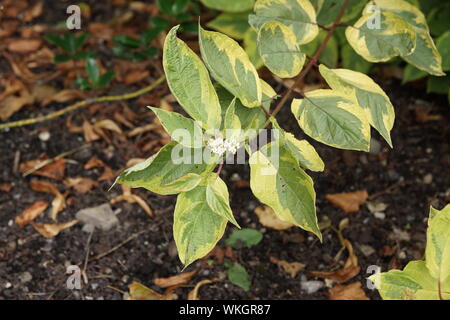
x=94, y=162
x=54, y=170
x=140, y=292
x=43, y=186
x=42, y=92
x=33, y=12
x=348, y=202
x=422, y=116
x=268, y=219
x=140, y=130
x=64, y=96
x=291, y=268
x=175, y=281
x=31, y=213
x=12, y=104
x=132, y=198
x=134, y=161
x=52, y=230
x=6, y=187
x=193, y=294
x=90, y=134
x=339, y=276
x=108, y=125
x=352, y=291
x=24, y=45
x=80, y=185
x=136, y=76
x=58, y=203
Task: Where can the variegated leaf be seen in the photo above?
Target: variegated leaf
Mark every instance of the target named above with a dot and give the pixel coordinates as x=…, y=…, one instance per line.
x=161, y=174
x=333, y=119
x=425, y=56
x=363, y=91
x=229, y=5
x=393, y=37
x=251, y=48
x=234, y=25
x=298, y=15
x=301, y=150
x=189, y=82
x=183, y=130
x=197, y=227
x=278, y=181
x=423, y=280
x=279, y=51
x=230, y=66
x=218, y=198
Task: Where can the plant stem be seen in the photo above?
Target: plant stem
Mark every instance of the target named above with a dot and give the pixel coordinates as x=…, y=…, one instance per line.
x=312, y=61
x=81, y=104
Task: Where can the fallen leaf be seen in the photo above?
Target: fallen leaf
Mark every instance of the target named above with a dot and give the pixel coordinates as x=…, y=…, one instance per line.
x=193, y=294
x=52, y=230
x=31, y=213
x=64, y=96
x=140, y=130
x=58, y=203
x=175, y=281
x=90, y=134
x=339, y=276
x=268, y=219
x=6, y=187
x=348, y=202
x=108, y=125
x=291, y=268
x=241, y=184
x=54, y=170
x=132, y=198
x=24, y=45
x=95, y=162
x=423, y=116
x=352, y=291
x=140, y=292
x=80, y=185
x=136, y=76
x=12, y=104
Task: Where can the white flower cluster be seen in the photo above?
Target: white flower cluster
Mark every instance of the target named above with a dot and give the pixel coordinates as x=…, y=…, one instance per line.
x=219, y=146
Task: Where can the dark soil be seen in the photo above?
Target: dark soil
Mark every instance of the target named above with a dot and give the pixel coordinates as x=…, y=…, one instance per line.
x=398, y=177
x=420, y=150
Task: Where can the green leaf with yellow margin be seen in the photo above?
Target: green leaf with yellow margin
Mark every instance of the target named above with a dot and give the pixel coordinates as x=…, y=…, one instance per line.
x=395, y=37
x=301, y=150
x=234, y=25
x=423, y=280
x=229, y=5
x=279, y=51
x=190, y=133
x=161, y=174
x=298, y=15
x=277, y=180
x=218, y=198
x=230, y=66
x=251, y=48
x=197, y=227
x=425, y=57
x=333, y=119
x=189, y=82
x=363, y=91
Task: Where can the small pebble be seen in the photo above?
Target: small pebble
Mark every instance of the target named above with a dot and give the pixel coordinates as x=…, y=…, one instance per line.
x=428, y=178
x=25, y=277
x=8, y=285
x=380, y=215
x=44, y=136
x=312, y=286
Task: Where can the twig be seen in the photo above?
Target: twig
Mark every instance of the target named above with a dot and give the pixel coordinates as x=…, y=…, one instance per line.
x=86, y=259
x=47, y=162
x=389, y=189
x=101, y=255
x=311, y=63
x=81, y=104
